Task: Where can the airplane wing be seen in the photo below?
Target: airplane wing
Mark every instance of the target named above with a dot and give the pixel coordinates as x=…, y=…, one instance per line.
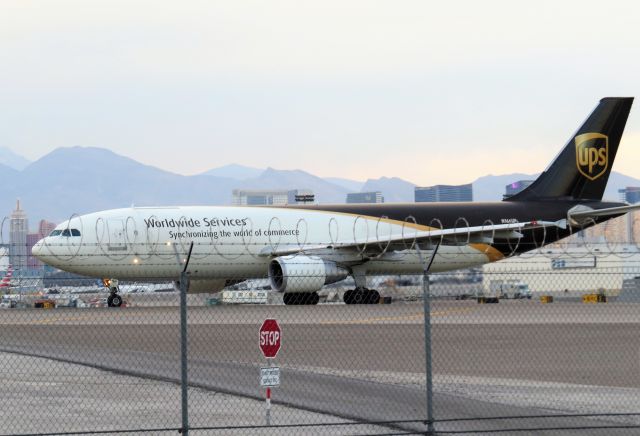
x=452, y=236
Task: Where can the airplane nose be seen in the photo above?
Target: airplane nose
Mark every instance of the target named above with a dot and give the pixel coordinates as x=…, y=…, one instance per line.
x=37, y=249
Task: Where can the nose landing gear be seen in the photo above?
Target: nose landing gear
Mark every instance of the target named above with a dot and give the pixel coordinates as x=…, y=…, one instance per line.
x=114, y=299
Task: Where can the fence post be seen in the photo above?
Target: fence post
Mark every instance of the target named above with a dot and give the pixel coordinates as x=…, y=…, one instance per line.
x=184, y=382
x=426, y=298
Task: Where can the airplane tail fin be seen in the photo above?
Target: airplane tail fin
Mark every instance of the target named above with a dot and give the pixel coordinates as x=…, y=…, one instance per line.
x=582, y=168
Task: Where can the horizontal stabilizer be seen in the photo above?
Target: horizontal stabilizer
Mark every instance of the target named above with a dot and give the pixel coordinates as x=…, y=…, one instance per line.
x=579, y=214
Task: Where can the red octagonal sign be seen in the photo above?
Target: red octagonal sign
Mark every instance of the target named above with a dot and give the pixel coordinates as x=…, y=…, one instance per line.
x=270, y=338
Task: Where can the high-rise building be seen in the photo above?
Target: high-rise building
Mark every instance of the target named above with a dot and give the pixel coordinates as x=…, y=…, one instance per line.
x=32, y=262
x=365, y=197
x=435, y=193
x=260, y=197
x=4, y=260
x=18, y=229
x=630, y=194
x=515, y=187
x=45, y=227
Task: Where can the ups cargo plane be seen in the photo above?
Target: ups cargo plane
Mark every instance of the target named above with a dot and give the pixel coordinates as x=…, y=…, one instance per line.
x=304, y=247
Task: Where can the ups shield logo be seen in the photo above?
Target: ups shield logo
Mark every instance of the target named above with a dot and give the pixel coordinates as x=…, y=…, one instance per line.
x=592, y=154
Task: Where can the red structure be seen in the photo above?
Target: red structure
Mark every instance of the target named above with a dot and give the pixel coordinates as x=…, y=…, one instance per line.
x=270, y=338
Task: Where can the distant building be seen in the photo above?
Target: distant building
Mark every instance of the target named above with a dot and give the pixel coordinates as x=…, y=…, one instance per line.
x=365, y=197
x=435, y=193
x=630, y=194
x=259, y=197
x=513, y=188
x=45, y=227
x=32, y=262
x=4, y=259
x=18, y=229
x=572, y=268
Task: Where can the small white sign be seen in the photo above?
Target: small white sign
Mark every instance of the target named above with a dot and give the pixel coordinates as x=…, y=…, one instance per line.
x=270, y=376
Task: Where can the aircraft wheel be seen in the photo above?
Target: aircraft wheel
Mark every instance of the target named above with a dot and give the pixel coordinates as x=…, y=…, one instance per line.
x=359, y=296
x=348, y=297
x=114, y=300
x=313, y=298
x=288, y=299
x=374, y=297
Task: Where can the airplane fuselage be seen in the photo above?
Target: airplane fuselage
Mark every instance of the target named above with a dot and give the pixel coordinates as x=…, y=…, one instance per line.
x=233, y=242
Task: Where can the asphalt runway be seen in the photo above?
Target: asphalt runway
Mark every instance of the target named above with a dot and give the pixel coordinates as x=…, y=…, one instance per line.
x=366, y=363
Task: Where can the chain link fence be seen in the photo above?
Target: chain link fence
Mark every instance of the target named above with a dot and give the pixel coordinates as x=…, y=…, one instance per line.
x=545, y=342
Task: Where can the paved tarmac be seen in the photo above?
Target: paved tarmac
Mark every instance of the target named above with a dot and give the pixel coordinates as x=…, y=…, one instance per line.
x=42, y=395
x=366, y=363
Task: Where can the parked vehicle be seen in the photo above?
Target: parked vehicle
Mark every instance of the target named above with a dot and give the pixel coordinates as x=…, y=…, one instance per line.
x=44, y=304
x=509, y=289
x=7, y=303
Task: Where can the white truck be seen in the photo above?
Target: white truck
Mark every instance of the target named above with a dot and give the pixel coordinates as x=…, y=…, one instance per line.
x=12, y=301
x=508, y=289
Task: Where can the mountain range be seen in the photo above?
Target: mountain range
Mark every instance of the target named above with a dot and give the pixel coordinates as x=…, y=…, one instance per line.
x=79, y=180
x=13, y=160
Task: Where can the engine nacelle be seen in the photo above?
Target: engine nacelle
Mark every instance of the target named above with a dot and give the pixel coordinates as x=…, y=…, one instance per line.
x=303, y=273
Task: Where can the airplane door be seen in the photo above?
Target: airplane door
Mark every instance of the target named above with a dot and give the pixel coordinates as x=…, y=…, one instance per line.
x=116, y=232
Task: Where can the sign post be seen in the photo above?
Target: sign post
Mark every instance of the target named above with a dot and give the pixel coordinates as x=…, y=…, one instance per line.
x=270, y=341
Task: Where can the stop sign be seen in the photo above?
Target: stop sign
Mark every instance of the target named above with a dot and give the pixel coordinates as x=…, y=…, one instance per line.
x=270, y=338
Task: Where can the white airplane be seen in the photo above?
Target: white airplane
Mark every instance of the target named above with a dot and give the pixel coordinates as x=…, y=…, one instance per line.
x=304, y=247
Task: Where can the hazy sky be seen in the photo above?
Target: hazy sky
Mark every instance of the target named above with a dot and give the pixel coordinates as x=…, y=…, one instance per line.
x=433, y=92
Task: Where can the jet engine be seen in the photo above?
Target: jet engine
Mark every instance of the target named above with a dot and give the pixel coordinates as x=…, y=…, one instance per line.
x=303, y=273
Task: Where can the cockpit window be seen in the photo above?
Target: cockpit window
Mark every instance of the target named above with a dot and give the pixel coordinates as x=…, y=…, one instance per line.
x=65, y=232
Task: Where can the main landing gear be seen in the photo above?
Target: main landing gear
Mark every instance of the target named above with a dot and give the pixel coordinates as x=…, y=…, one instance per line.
x=300, y=298
x=361, y=296
x=114, y=299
